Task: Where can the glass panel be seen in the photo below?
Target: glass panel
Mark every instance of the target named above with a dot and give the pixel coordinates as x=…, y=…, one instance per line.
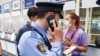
x=95, y=23
x=83, y=25
x=82, y=17
x=82, y=13
x=95, y=26
x=96, y=13
x=93, y=38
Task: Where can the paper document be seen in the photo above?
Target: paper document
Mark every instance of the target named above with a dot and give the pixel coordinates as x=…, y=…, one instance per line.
x=69, y=50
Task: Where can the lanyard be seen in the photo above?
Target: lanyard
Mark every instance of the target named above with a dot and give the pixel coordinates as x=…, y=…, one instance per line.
x=73, y=35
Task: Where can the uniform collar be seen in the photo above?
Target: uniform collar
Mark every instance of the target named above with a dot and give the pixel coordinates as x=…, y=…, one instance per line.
x=40, y=29
x=28, y=24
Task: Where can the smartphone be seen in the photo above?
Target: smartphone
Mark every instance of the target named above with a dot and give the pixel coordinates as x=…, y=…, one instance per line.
x=50, y=21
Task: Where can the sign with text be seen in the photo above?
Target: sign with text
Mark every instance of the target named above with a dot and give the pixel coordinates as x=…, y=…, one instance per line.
x=29, y=3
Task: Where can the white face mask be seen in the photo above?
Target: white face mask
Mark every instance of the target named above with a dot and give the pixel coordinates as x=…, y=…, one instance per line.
x=67, y=24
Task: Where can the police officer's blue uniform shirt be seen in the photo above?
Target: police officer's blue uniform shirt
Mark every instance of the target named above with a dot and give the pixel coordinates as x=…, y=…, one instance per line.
x=32, y=44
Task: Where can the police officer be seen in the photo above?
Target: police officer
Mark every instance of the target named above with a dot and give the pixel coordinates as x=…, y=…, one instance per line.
x=35, y=43
x=32, y=14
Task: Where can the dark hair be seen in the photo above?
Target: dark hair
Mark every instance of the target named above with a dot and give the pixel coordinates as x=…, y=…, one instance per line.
x=41, y=14
x=32, y=12
x=76, y=18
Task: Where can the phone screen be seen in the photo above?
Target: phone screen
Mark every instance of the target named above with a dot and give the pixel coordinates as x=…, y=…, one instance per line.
x=50, y=20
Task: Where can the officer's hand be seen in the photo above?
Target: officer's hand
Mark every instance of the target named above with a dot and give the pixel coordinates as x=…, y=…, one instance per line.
x=51, y=40
x=57, y=33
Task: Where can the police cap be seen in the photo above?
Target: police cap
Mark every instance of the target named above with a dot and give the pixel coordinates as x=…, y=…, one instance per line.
x=50, y=6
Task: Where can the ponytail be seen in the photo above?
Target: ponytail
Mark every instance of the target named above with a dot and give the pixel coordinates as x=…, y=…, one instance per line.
x=78, y=23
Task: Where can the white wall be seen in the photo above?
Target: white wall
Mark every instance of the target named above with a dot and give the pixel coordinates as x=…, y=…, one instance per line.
x=4, y=1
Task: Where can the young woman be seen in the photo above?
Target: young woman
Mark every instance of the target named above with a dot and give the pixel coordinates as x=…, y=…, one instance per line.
x=74, y=35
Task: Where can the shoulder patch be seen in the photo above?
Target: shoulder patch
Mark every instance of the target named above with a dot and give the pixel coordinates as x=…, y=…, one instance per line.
x=41, y=47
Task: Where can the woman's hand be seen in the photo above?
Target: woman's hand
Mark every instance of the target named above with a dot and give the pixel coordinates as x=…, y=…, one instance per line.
x=68, y=42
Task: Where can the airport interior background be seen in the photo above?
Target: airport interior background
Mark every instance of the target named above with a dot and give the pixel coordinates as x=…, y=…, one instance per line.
x=13, y=15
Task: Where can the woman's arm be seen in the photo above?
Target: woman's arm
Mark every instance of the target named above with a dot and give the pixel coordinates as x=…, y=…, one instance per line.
x=83, y=42
x=82, y=48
